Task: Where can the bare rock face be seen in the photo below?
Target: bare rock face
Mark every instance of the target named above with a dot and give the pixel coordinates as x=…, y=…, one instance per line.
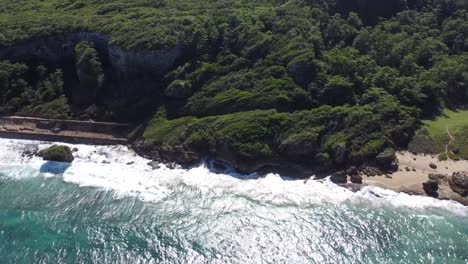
x=459, y=183
x=179, y=154
x=130, y=78
x=431, y=188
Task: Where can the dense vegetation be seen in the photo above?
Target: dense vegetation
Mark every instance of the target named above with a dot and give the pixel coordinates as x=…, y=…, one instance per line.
x=312, y=81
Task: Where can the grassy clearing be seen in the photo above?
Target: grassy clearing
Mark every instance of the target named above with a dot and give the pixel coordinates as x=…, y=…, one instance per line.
x=434, y=136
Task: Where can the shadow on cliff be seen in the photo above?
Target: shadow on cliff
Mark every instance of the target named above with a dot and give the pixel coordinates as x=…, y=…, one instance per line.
x=53, y=167
x=133, y=79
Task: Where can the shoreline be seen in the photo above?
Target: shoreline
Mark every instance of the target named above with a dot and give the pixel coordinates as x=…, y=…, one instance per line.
x=414, y=170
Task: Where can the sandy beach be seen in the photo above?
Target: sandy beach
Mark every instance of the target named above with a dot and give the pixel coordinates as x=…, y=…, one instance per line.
x=414, y=171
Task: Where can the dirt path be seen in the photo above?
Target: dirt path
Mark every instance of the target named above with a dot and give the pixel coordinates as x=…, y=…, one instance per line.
x=448, y=144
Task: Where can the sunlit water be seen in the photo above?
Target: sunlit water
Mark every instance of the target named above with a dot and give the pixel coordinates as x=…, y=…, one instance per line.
x=106, y=209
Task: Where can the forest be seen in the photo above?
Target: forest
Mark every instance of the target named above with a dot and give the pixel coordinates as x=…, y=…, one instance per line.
x=309, y=82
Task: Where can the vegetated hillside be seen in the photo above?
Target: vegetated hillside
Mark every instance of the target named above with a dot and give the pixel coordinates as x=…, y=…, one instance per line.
x=447, y=136
x=248, y=82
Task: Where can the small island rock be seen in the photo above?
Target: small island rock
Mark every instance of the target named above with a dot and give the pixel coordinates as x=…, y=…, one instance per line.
x=57, y=153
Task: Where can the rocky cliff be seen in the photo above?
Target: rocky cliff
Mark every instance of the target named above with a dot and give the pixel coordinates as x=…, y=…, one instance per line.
x=133, y=79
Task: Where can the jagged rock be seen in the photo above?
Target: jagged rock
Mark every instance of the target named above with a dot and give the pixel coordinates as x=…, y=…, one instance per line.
x=356, y=179
x=154, y=165
x=339, y=177
x=439, y=178
x=30, y=151
x=75, y=150
x=57, y=153
x=433, y=166
x=431, y=188
x=179, y=154
x=459, y=183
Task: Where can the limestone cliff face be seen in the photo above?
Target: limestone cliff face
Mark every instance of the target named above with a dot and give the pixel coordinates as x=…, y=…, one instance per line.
x=133, y=78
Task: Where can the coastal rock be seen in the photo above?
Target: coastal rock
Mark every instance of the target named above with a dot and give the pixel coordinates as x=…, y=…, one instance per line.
x=30, y=151
x=371, y=171
x=439, y=178
x=179, y=154
x=57, y=153
x=154, y=165
x=431, y=188
x=356, y=179
x=459, y=183
x=339, y=177
x=433, y=166
x=352, y=171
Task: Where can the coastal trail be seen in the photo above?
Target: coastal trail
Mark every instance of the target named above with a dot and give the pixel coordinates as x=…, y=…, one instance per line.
x=448, y=144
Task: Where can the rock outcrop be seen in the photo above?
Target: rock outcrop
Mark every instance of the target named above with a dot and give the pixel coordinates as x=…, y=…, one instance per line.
x=132, y=78
x=57, y=153
x=339, y=177
x=431, y=188
x=459, y=183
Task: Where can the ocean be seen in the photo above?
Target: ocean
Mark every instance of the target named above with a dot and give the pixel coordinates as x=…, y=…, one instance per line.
x=109, y=206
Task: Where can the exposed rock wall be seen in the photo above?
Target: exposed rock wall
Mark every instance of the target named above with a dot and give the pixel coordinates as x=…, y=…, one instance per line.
x=133, y=78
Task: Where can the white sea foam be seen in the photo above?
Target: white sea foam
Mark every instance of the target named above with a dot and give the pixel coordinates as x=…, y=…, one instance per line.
x=119, y=169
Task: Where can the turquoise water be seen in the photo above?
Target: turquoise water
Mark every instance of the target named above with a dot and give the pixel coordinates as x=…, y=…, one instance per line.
x=94, y=212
